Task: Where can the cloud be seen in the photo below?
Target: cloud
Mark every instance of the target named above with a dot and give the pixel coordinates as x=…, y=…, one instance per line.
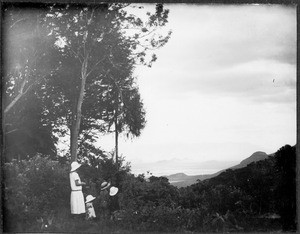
x=253, y=80
x=226, y=35
x=236, y=51
x=260, y=80
x=227, y=74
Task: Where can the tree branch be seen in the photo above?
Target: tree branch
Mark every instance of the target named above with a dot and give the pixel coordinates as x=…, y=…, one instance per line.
x=76, y=55
x=147, y=34
x=17, y=22
x=99, y=61
x=11, y=131
x=121, y=7
x=21, y=93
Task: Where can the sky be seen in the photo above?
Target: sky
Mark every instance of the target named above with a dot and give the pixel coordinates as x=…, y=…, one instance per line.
x=222, y=88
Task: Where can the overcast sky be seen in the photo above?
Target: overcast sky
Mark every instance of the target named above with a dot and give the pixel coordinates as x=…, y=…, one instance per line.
x=222, y=88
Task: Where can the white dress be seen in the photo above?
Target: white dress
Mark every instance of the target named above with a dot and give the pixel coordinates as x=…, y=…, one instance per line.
x=77, y=199
x=90, y=211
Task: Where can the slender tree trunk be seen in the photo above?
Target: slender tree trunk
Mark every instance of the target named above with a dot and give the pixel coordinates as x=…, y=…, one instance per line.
x=116, y=130
x=115, y=200
x=116, y=139
x=75, y=127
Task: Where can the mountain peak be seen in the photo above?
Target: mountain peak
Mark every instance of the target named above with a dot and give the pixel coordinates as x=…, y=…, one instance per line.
x=257, y=156
x=258, y=152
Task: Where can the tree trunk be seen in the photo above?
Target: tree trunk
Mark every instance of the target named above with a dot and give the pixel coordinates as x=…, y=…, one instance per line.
x=116, y=139
x=75, y=127
x=116, y=131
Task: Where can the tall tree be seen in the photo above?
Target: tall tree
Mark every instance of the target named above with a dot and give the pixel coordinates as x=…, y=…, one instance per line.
x=26, y=48
x=27, y=67
x=124, y=109
x=129, y=115
x=91, y=39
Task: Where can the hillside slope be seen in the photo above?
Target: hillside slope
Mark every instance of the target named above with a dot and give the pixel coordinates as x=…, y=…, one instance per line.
x=257, y=156
x=183, y=180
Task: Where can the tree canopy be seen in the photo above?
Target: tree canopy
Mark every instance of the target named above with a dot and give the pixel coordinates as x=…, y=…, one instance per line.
x=27, y=67
x=97, y=56
x=78, y=61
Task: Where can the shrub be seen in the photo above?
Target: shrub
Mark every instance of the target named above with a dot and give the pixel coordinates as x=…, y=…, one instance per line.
x=32, y=190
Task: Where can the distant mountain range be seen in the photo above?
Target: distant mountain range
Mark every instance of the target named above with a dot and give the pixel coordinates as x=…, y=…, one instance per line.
x=190, y=167
x=182, y=180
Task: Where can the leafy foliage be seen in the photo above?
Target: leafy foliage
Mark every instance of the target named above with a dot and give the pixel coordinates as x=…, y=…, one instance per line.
x=97, y=57
x=34, y=188
x=285, y=191
x=27, y=131
x=78, y=60
x=27, y=67
x=234, y=201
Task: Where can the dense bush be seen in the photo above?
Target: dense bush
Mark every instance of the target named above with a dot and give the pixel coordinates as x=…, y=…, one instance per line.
x=38, y=188
x=150, y=204
x=33, y=190
x=237, y=200
x=285, y=191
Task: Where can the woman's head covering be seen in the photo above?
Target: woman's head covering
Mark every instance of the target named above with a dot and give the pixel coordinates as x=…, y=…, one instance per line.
x=105, y=185
x=74, y=166
x=89, y=198
x=113, y=191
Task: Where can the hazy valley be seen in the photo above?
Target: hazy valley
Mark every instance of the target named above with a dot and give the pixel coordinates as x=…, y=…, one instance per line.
x=182, y=179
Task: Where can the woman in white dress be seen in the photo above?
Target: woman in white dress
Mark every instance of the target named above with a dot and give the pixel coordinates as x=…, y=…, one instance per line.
x=77, y=199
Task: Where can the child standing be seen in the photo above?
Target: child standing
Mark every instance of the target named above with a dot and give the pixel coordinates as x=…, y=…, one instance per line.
x=104, y=200
x=90, y=212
